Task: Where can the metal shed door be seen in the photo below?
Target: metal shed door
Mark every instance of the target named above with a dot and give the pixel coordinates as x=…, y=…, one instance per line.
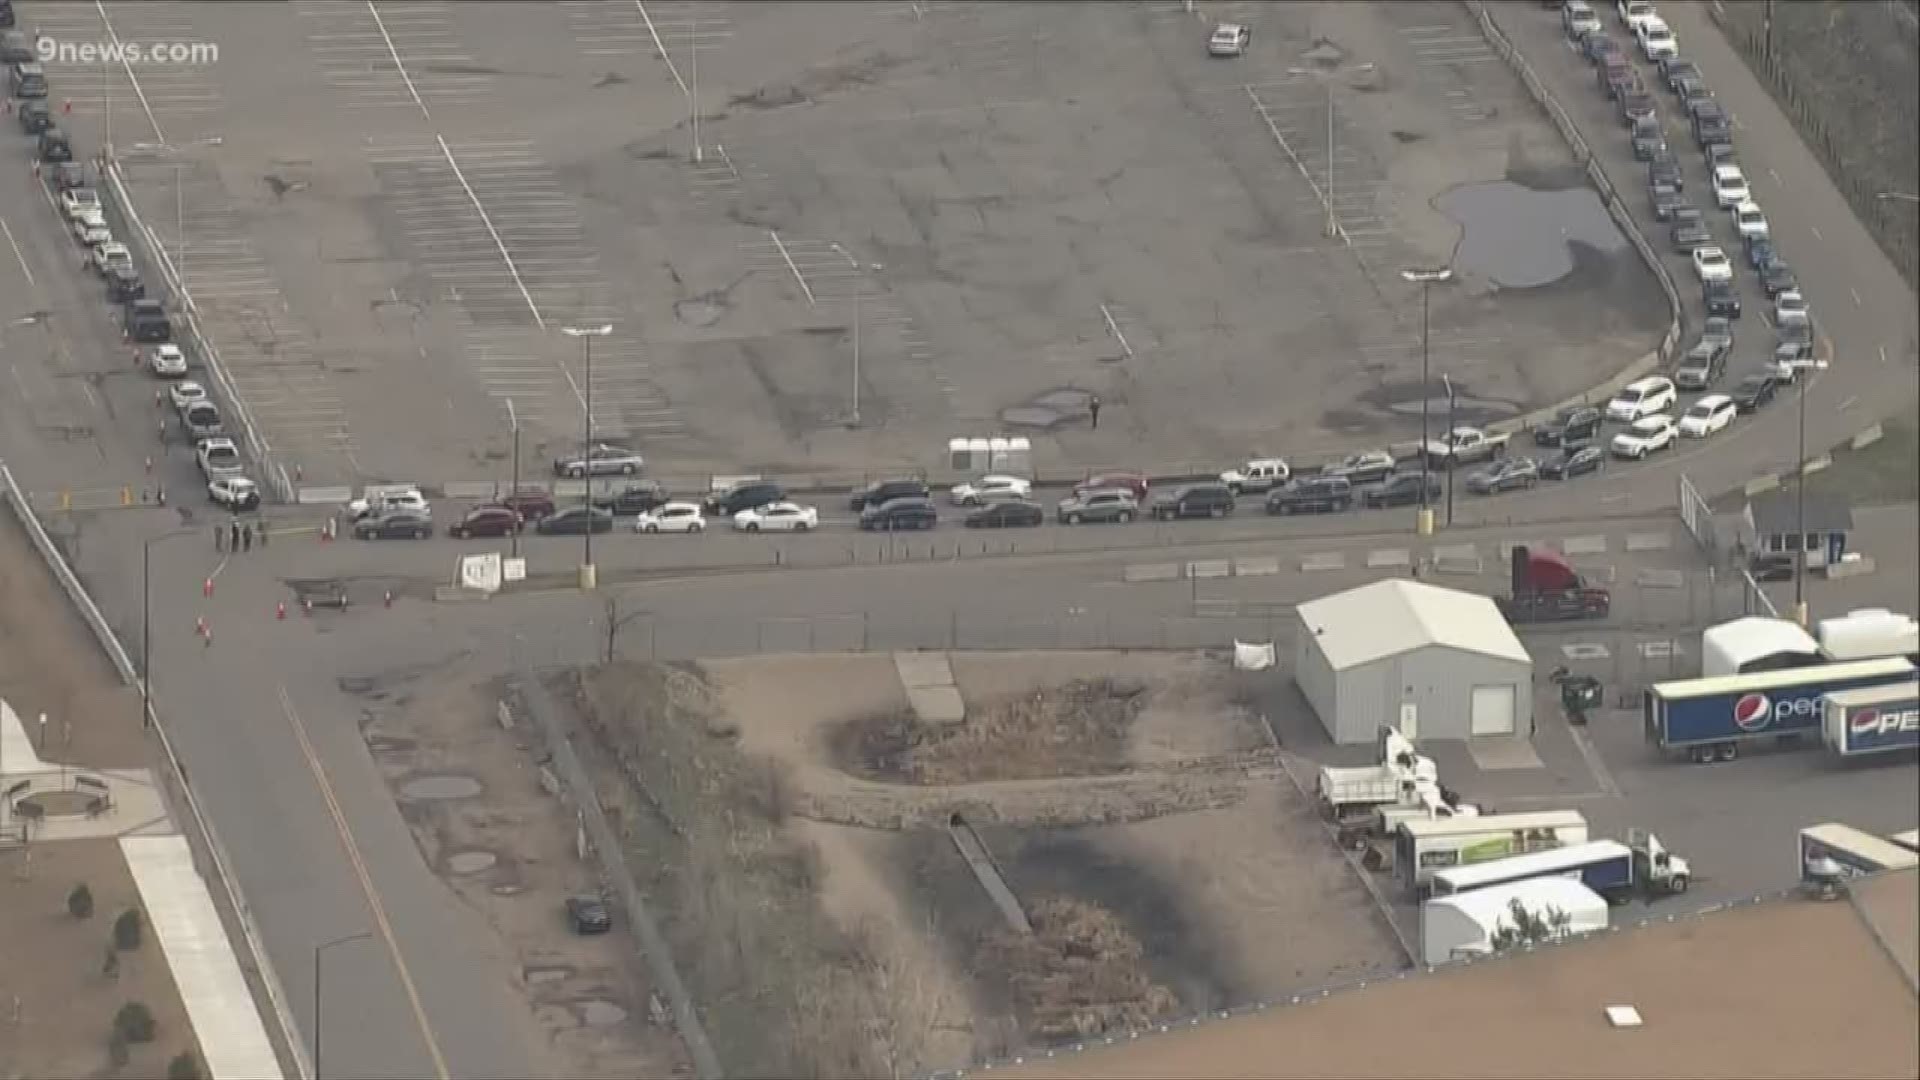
x=1492, y=710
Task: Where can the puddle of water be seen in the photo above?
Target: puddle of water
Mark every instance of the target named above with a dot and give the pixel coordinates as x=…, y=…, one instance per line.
x=596, y=1013
x=440, y=787
x=471, y=862
x=1520, y=238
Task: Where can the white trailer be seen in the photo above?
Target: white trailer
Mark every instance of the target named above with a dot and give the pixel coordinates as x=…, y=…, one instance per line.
x=1755, y=644
x=1868, y=634
x=1420, y=848
x=1909, y=840
x=1468, y=924
x=1855, y=852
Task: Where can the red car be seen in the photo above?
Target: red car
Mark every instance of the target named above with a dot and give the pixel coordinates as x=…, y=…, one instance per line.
x=486, y=521
x=1109, y=481
x=531, y=504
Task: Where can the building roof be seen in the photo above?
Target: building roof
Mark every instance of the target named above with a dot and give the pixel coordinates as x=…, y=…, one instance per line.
x=1394, y=616
x=1778, y=512
x=1752, y=638
x=1795, y=987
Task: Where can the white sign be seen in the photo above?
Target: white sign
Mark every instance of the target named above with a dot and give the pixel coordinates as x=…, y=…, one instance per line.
x=514, y=570
x=481, y=572
x=1410, y=720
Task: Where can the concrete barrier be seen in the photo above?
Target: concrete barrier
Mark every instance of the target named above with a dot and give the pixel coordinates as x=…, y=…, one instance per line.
x=323, y=496
x=1761, y=484
x=1814, y=465
x=1867, y=438
x=90, y=613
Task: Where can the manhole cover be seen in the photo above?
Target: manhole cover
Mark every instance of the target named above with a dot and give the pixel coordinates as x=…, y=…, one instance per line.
x=440, y=787
x=471, y=862
x=596, y=1013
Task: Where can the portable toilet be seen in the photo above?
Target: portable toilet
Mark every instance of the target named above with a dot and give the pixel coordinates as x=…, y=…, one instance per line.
x=959, y=457
x=1019, y=456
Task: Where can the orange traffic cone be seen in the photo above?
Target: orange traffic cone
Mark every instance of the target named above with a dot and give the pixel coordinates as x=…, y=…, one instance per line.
x=389, y=600
x=66, y=107
x=206, y=588
x=280, y=611
x=200, y=625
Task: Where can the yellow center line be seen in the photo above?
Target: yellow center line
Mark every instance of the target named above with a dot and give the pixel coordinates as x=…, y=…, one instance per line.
x=366, y=886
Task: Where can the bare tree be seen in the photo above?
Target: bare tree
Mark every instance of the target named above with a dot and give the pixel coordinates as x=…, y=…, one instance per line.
x=616, y=621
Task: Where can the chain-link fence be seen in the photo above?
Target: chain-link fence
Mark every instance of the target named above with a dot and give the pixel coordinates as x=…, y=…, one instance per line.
x=1844, y=74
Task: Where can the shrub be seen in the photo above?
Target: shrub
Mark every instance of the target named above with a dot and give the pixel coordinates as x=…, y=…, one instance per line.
x=80, y=902
x=127, y=929
x=133, y=1023
x=117, y=1050
x=184, y=1066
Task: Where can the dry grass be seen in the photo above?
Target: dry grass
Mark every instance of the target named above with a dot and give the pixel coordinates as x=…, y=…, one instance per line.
x=1078, y=729
x=783, y=990
x=1081, y=973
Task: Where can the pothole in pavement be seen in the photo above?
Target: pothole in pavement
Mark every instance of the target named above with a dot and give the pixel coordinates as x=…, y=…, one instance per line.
x=440, y=787
x=471, y=862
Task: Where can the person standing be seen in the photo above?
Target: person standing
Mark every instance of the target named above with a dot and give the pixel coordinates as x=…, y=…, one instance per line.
x=233, y=536
x=1093, y=410
x=246, y=537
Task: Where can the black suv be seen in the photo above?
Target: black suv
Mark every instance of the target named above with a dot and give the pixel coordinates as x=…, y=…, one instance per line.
x=34, y=116
x=745, y=495
x=146, y=321
x=1400, y=489
x=1710, y=126
x=898, y=514
x=1754, y=390
x=1312, y=495
x=54, y=147
x=882, y=491
x=1194, y=500
x=124, y=284
x=1575, y=423
x=637, y=497
x=1720, y=298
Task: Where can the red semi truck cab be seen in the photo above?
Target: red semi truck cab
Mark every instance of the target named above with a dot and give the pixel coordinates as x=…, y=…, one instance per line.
x=1546, y=588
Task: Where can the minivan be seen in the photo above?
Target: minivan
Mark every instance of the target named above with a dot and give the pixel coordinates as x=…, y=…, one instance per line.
x=1194, y=500
x=1312, y=495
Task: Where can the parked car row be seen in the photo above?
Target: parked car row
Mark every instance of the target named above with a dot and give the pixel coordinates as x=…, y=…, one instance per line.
x=1651, y=408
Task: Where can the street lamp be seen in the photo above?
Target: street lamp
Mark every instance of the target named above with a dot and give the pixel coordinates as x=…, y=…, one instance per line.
x=1800, y=511
x=854, y=396
x=513, y=492
x=586, y=334
x=318, y=951
x=1425, y=278
x=1448, y=383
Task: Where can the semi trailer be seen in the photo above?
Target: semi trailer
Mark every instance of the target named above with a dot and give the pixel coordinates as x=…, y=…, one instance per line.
x=1711, y=718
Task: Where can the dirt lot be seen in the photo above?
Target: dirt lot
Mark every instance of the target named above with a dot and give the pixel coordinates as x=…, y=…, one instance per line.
x=59, y=998
x=507, y=849
x=829, y=926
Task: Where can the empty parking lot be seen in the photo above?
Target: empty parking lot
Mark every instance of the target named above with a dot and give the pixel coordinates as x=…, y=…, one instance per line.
x=393, y=218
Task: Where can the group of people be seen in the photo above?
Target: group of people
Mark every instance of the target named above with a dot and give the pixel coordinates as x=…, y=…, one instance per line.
x=237, y=535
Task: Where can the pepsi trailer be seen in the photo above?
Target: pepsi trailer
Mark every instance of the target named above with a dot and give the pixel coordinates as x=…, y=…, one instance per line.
x=1873, y=719
x=1710, y=718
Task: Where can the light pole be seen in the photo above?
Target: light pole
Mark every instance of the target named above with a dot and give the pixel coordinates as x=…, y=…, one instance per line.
x=586, y=334
x=693, y=92
x=854, y=390
x=1425, y=278
x=1448, y=383
x=1898, y=196
x=319, y=951
x=1800, y=510
x=513, y=492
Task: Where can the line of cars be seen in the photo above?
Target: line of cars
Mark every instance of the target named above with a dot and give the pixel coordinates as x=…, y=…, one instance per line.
x=1648, y=407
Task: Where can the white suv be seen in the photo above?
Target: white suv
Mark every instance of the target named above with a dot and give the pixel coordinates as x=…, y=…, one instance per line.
x=1657, y=40
x=1648, y=397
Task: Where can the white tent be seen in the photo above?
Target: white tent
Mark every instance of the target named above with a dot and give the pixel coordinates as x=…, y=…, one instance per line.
x=1453, y=927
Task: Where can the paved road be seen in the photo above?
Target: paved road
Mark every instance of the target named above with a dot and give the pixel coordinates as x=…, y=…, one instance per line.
x=1860, y=302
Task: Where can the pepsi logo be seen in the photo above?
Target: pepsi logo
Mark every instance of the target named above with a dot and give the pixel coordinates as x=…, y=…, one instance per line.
x=1752, y=712
x=1878, y=722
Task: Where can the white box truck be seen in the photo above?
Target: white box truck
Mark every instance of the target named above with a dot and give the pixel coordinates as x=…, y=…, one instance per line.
x=1470, y=923
x=1421, y=848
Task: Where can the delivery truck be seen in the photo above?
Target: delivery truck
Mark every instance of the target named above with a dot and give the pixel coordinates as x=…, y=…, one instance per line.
x=1711, y=718
x=1423, y=848
x=1854, y=852
x=1615, y=870
x=1471, y=924
x=1872, y=719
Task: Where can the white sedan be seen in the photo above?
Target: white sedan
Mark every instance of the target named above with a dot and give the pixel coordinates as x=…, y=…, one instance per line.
x=1635, y=12
x=1730, y=187
x=777, y=517
x=92, y=232
x=680, y=517
x=1649, y=433
x=1711, y=264
x=1790, y=307
x=108, y=255
x=1228, y=39
x=185, y=394
x=1706, y=416
x=993, y=488
x=167, y=361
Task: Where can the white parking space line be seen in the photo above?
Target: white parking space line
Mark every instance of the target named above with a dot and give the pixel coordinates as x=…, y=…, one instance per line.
x=91, y=89
x=272, y=360
x=387, y=56
x=830, y=276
